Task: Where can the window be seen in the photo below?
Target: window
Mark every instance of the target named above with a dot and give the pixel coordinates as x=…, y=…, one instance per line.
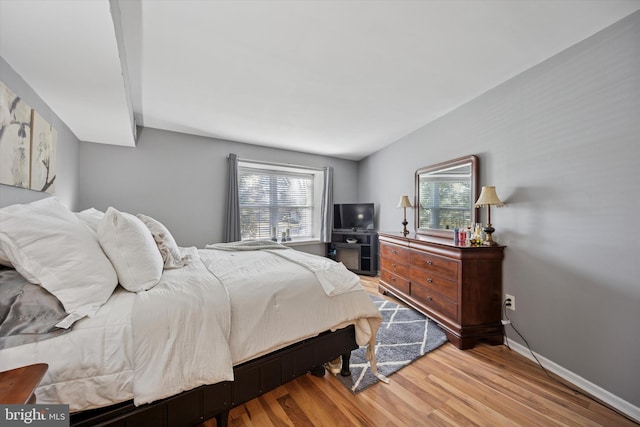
x=279, y=198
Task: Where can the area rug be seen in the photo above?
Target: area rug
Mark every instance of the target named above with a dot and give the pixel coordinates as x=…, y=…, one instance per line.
x=404, y=336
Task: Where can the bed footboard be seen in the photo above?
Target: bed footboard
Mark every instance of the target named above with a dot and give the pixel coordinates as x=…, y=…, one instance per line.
x=252, y=379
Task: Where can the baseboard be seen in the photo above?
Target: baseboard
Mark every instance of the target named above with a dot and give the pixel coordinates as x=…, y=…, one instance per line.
x=610, y=399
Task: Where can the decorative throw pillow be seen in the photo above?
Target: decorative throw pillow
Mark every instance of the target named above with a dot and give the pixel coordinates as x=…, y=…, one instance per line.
x=48, y=245
x=91, y=217
x=130, y=246
x=171, y=253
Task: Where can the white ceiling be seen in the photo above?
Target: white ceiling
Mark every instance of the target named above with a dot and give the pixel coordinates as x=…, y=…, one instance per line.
x=67, y=52
x=339, y=78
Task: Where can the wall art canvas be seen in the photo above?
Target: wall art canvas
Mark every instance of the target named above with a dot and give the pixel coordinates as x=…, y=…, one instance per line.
x=15, y=139
x=43, y=154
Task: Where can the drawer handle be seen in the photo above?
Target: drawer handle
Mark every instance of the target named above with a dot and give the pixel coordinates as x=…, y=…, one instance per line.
x=393, y=279
x=393, y=251
x=430, y=280
x=393, y=265
x=429, y=298
x=429, y=262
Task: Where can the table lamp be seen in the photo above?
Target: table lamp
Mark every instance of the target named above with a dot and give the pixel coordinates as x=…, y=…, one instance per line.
x=404, y=204
x=488, y=197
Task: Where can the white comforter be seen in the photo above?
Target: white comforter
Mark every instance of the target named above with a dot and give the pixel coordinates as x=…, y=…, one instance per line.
x=181, y=330
x=90, y=367
x=221, y=310
x=276, y=302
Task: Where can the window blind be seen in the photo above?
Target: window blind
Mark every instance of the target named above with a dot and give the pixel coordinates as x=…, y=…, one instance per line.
x=275, y=199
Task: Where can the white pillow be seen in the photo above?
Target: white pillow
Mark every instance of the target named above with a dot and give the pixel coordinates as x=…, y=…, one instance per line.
x=91, y=217
x=48, y=245
x=130, y=246
x=171, y=253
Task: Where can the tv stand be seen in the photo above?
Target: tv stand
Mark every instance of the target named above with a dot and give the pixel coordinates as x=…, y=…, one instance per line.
x=361, y=256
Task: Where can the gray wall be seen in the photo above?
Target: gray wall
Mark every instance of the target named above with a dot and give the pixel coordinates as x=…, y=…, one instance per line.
x=561, y=142
x=67, y=157
x=181, y=179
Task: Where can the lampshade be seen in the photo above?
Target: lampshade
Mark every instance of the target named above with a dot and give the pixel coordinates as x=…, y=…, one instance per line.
x=488, y=197
x=404, y=202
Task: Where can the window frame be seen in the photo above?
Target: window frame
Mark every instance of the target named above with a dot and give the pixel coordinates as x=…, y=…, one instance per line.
x=276, y=169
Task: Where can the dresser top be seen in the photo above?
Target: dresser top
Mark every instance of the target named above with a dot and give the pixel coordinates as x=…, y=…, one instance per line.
x=432, y=240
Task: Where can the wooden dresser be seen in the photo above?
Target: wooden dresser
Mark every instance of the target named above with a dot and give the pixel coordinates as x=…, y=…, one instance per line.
x=460, y=287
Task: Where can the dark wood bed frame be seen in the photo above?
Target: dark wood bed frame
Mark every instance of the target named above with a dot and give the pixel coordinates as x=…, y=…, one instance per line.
x=251, y=379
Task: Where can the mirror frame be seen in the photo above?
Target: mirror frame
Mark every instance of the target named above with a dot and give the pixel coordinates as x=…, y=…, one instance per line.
x=474, y=161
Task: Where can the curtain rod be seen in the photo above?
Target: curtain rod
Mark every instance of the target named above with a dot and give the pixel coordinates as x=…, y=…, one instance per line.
x=288, y=165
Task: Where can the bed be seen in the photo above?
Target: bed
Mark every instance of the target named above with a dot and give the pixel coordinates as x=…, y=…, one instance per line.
x=183, y=334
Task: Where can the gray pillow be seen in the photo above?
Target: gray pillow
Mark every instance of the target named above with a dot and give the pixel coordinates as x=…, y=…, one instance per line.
x=28, y=312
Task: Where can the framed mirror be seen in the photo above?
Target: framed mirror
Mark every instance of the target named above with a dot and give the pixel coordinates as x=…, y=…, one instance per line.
x=445, y=195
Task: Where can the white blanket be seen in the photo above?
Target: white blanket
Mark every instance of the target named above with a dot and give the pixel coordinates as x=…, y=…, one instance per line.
x=247, y=245
x=333, y=276
x=275, y=302
x=181, y=329
x=91, y=366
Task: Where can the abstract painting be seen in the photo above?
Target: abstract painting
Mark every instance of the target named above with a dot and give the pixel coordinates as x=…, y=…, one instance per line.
x=44, y=139
x=15, y=139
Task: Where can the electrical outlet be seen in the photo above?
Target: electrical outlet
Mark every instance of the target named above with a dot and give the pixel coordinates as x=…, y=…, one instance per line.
x=511, y=302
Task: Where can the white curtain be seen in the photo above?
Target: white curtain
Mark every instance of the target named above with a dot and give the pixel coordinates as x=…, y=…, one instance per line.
x=327, y=206
x=232, y=221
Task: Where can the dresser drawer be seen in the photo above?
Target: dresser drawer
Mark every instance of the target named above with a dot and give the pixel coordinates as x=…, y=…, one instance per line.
x=395, y=267
x=441, y=266
x=394, y=253
x=396, y=282
x=435, y=301
x=426, y=279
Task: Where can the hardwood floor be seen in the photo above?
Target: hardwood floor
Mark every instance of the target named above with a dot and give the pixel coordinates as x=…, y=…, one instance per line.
x=487, y=385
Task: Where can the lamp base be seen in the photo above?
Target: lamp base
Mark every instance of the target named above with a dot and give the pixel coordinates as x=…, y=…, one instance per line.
x=488, y=240
x=404, y=227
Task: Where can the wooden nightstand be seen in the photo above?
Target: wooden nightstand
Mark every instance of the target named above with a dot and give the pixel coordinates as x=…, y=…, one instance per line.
x=18, y=386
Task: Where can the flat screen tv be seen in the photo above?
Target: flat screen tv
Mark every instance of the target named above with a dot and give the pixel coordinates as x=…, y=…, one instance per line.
x=353, y=216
